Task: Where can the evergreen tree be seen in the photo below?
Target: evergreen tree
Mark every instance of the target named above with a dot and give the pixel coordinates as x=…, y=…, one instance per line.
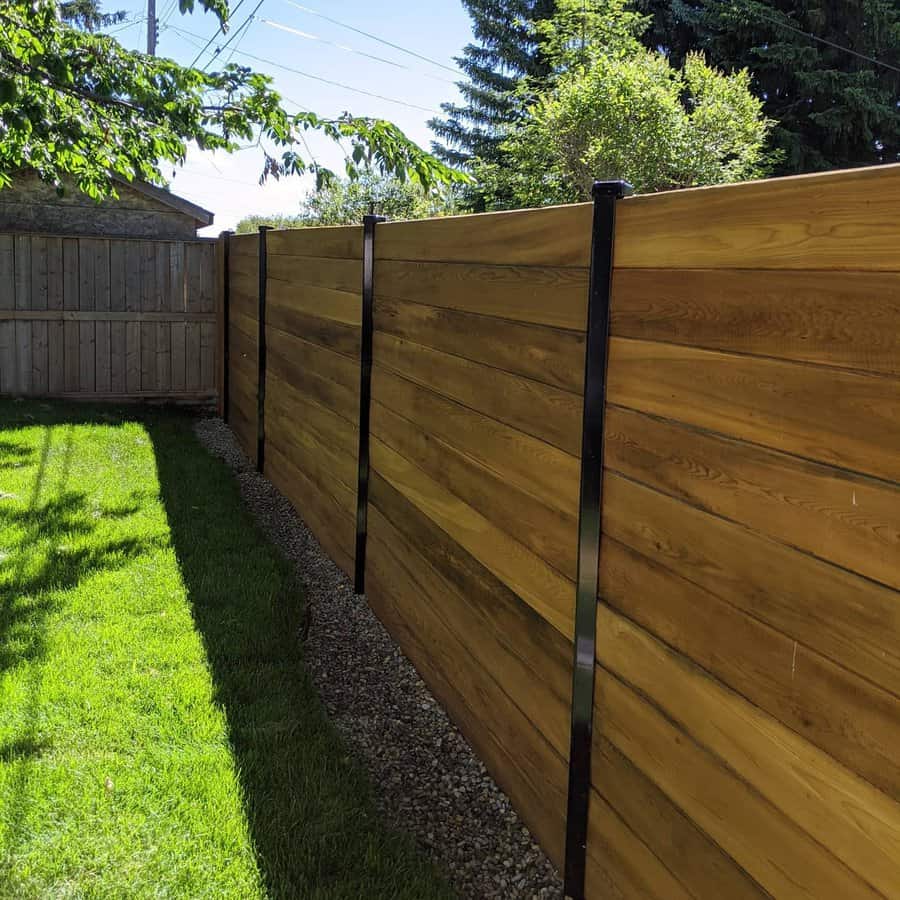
x=507, y=51
x=834, y=109
x=88, y=14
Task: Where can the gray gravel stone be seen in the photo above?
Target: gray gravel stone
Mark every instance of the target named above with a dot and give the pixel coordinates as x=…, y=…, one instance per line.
x=428, y=779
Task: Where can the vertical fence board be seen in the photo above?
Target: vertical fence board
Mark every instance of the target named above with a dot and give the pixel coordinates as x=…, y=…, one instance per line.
x=7, y=301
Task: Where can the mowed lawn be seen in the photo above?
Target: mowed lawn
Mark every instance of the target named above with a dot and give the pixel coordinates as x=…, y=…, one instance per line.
x=159, y=736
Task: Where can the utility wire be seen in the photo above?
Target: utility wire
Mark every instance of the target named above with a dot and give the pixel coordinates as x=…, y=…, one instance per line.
x=814, y=37
x=239, y=35
x=346, y=87
x=390, y=62
x=373, y=37
x=216, y=32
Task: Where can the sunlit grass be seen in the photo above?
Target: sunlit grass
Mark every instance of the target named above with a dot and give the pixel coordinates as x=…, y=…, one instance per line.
x=159, y=736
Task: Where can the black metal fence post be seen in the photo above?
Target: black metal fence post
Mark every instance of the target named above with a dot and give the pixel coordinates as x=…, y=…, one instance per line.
x=261, y=355
x=605, y=194
x=226, y=324
x=365, y=396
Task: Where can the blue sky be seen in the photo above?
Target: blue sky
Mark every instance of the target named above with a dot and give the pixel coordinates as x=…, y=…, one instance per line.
x=437, y=29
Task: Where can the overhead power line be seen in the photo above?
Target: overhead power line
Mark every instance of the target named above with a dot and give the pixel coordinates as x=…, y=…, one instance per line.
x=346, y=87
x=374, y=37
x=216, y=33
x=390, y=62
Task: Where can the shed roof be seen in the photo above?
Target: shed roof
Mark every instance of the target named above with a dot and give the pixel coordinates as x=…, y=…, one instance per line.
x=198, y=213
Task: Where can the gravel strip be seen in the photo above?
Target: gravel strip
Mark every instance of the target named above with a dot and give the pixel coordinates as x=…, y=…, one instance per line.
x=427, y=778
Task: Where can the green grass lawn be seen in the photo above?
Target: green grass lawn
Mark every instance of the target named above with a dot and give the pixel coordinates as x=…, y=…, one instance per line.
x=159, y=735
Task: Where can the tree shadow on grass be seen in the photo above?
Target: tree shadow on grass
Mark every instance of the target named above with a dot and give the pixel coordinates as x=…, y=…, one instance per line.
x=310, y=809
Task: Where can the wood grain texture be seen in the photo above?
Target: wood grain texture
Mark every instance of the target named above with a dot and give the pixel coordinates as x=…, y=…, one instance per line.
x=773, y=850
x=846, y=319
x=829, y=415
x=328, y=333
x=540, y=586
x=318, y=271
x=539, y=295
x=544, y=412
x=834, y=220
x=328, y=519
x=328, y=378
x=551, y=534
x=340, y=306
x=844, y=617
x=549, y=355
x=527, y=463
x=341, y=241
x=552, y=236
x=843, y=518
x=836, y=710
x=854, y=820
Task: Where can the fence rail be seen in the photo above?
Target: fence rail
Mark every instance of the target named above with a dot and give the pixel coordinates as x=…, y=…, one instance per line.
x=748, y=636
x=108, y=317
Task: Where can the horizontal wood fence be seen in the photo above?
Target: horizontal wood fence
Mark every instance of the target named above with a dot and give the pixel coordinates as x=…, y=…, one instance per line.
x=108, y=317
x=747, y=719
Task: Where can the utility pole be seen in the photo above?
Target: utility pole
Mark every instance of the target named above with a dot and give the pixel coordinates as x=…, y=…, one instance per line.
x=151, y=27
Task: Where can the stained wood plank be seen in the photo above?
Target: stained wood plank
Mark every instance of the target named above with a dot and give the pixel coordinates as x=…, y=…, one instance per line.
x=845, y=715
x=834, y=220
x=331, y=429
x=329, y=521
x=336, y=274
x=331, y=473
x=340, y=306
x=552, y=236
x=855, y=821
x=335, y=336
x=549, y=355
x=699, y=864
x=846, y=319
x=102, y=301
x=208, y=278
x=849, y=520
x=341, y=241
x=543, y=588
x=540, y=410
x=533, y=466
x=549, y=533
x=844, y=617
x=328, y=378
x=773, y=850
x=828, y=415
x=542, y=296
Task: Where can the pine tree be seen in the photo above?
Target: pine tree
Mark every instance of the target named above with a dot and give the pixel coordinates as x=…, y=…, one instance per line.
x=508, y=50
x=834, y=109
x=88, y=15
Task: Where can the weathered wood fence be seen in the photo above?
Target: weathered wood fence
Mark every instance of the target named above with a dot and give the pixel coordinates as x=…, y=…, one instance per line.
x=108, y=317
x=747, y=718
